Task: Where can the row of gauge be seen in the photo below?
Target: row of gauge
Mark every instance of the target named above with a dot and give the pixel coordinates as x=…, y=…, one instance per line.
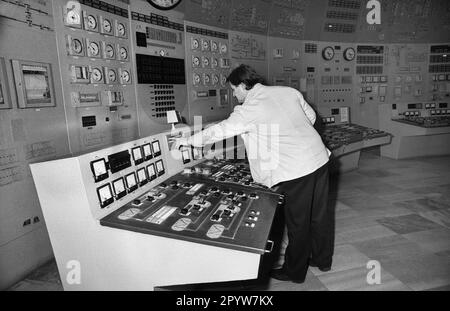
x=129, y=183
x=99, y=74
x=79, y=46
x=95, y=23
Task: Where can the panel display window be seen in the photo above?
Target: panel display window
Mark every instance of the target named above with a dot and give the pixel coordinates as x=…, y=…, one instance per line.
x=196, y=153
x=131, y=182
x=147, y=152
x=34, y=84
x=119, y=188
x=5, y=101
x=185, y=155
x=79, y=74
x=142, y=176
x=160, y=167
x=151, y=171
x=98, y=168
x=156, y=148
x=137, y=155
x=105, y=195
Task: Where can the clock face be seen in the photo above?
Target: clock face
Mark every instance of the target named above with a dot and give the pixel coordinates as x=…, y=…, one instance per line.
x=349, y=54
x=93, y=49
x=123, y=53
x=112, y=76
x=164, y=4
x=109, y=51
x=328, y=53
x=125, y=76
x=77, y=46
x=96, y=75
x=91, y=22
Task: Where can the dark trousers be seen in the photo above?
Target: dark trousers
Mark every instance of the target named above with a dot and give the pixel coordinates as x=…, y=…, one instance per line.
x=310, y=222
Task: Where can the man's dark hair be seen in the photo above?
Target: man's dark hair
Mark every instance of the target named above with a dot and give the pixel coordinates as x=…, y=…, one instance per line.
x=245, y=74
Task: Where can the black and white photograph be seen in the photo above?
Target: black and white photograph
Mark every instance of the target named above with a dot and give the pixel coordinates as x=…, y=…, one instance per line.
x=224, y=153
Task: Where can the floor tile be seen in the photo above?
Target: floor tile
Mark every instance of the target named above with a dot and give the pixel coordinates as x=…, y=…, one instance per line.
x=345, y=257
x=408, y=223
x=436, y=240
x=421, y=205
x=421, y=272
x=356, y=279
x=33, y=285
x=362, y=234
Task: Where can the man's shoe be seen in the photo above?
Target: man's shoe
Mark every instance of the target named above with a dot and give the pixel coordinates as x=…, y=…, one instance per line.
x=281, y=275
x=323, y=269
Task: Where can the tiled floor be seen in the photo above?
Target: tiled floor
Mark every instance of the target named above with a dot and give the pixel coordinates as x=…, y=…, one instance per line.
x=396, y=212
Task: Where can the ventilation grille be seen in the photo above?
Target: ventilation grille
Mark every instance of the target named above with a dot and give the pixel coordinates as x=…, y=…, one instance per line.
x=310, y=48
x=369, y=59
x=347, y=4
x=369, y=70
x=342, y=15
x=338, y=27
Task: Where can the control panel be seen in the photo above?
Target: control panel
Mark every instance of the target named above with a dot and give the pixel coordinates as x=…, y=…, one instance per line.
x=158, y=41
x=207, y=68
x=97, y=73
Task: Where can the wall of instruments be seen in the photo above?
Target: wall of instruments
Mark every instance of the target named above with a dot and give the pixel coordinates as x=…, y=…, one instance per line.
x=78, y=77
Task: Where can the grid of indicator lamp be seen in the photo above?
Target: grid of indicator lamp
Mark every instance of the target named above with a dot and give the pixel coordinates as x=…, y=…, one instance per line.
x=129, y=182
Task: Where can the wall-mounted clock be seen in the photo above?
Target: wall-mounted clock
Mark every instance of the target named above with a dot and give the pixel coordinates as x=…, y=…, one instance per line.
x=164, y=4
x=328, y=53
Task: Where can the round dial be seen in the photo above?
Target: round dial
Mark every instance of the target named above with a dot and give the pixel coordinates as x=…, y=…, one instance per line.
x=205, y=45
x=196, y=61
x=121, y=29
x=214, y=46
x=125, y=76
x=96, y=75
x=91, y=22
x=223, y=80
x=77, y=47
x=214, y=62
x=328, y=53
x=206, y=79
x=194, y=44
x=164, y=4
x=196, y=78
x=215, y=79
x=205, y=61
x=123, y=53
x=349, y=54
x=73, y=18
x=223, y=48
x=106, y=25
x=93, y=49
x=112, y=76
x=109, y=51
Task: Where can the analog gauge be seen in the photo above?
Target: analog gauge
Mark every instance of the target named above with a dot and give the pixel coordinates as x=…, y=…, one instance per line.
x=73, y=18
x=96, y=75
x=77, y=46
x=93, y=49
x=328, y=53
x=123, y=53
x=195, y=61
x=214, y=62
x=121, y=29
x=91, y=22
x=223, y=80
x=214, y=46
x=205, y=45
x=223, y=48
x=206, y=79
x=215, y=79
x=106, y=24
x=205, y=61
x=194, y=44
x=164, y=4
x=125, y=76
x=109, y=51
x=196, y=79
x=349, y=54
x=112, y=76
